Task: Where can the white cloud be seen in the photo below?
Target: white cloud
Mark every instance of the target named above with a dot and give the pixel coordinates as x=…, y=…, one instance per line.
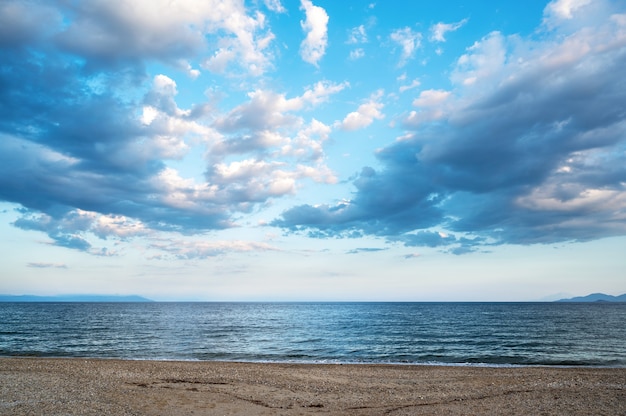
x=243, y=45
x=164, y=85
x=433, y=106
x=357, y=54
x=409, y=41
x=307, y=144
x=563, y=9
x=313, y=47
x=259, y=180
x=190, y=249
x=431, y=98
x=438, y=31
x=483, y=60
x=184, y=193
x=271, y=110
x=170, y=32
x=321, y=91
x=275, y=6
x=167, y=125
x=188, y=69
x=414, y=84
x=357, y=35
x=365, y=114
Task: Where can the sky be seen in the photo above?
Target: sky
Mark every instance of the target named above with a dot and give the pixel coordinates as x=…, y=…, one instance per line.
x=284, y=150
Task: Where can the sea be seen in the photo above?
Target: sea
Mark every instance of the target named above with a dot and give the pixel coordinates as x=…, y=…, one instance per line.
x=475, y=334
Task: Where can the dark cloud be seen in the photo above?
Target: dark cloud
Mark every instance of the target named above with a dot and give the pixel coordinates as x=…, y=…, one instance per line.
x=527, y=149
x=61, y=236
x=72, y=84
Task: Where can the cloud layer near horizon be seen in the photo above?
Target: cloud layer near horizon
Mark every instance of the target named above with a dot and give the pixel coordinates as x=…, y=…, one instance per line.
x=527, y=145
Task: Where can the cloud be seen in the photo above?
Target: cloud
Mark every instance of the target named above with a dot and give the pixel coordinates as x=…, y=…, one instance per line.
x=357, y=35
x=98, y=135
x=69, y=229
x=366, y=250
x=438, y=31
x=427, y=238
x=39, y=265
x=268, y=110
x=357, y=54
x=267, y=137
x=414, y=84
x=109, y=36
x=189, y=250
x=564, y=9
x=275, y=6
x=365, y=114
x=313, y=47
x=527, y=147
x=431, y=98
x=484, y=59
x=409, y=41
x=432, y=106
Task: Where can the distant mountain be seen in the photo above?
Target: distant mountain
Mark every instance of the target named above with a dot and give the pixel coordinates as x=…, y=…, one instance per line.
x=596, y=297
x=73, y=298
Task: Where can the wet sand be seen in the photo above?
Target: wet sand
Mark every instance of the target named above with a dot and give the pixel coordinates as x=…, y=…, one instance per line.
x=36, y=386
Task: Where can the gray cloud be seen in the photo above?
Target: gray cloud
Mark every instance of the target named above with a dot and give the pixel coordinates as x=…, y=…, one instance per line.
x=71, y=86
x=527, y=149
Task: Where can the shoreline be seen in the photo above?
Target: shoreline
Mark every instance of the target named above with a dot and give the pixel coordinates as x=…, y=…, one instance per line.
x=320, y=362
x=88, y=386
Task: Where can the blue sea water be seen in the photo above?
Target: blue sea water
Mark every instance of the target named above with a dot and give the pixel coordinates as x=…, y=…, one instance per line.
x=580, y=334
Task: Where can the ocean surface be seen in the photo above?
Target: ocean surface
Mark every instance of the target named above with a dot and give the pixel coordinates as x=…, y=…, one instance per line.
x=579, y=334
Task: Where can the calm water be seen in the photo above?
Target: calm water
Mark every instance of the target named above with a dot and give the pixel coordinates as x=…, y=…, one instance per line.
x=450, y=333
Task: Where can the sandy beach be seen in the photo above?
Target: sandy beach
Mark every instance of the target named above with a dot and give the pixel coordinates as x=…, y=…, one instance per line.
x=35, y=386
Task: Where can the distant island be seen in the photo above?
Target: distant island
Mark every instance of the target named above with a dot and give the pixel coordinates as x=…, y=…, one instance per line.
x=74, y=298
x=596, y=297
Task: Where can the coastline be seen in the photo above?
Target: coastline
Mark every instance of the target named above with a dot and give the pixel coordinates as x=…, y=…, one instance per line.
x=86, y=386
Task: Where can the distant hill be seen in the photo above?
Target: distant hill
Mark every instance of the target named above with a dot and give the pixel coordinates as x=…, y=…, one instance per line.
x=73, y=298
x=596, y=297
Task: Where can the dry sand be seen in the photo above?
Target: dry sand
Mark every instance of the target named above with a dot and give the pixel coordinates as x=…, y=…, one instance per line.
x=35, y=386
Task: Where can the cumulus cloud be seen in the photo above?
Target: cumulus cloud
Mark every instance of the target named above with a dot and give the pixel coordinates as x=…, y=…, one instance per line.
x=267, y=128
x=89, y=156
x=268, y=110
x=313, y=47
x=108, y=35
x=564, y=9
x=267, y=137
x=484, y=59
x=527, y=147
x=432, y=106
x=365, y=114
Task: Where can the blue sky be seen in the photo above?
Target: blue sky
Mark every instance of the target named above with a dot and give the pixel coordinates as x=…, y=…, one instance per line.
x=313, y=150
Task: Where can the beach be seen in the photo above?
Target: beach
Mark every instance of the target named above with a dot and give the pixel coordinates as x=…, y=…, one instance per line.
x=42, y=386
